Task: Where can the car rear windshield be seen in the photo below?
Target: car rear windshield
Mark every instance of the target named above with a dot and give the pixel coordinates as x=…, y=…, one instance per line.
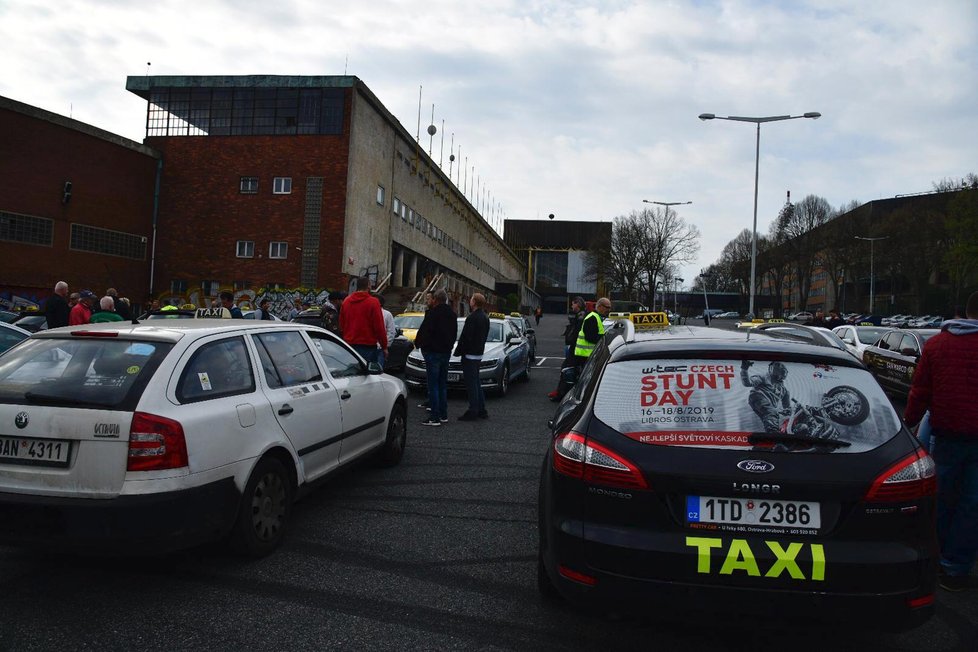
x=98, y=372
x=745, y=404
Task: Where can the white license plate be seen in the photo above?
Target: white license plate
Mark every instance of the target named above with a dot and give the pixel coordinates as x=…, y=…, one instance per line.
x=753, y=511
x=46, y=452
x=454, y=378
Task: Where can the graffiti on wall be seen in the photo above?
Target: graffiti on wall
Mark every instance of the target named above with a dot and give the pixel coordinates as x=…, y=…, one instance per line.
x=281, y=300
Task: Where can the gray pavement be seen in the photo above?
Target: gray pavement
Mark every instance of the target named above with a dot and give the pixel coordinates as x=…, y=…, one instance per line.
x=438, y=553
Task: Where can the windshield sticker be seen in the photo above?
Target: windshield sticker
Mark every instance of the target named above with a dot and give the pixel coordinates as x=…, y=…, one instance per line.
x=205, y=381
x=134, y=369
x=746, y=405
x=139, y=348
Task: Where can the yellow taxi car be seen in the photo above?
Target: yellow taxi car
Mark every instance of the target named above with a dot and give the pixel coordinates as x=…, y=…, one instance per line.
x=409, y=323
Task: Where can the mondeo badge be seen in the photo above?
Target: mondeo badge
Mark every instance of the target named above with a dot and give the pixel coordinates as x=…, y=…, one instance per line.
x=755, y=466
x=21, y=420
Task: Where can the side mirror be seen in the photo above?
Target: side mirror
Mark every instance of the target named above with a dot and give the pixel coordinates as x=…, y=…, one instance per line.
x=374, y=369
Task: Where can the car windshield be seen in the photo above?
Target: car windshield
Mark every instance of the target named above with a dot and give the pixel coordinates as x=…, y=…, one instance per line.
x=728, y=403
x=870, y=335
x=408, y=321
x=96, y=372
x=495, y=331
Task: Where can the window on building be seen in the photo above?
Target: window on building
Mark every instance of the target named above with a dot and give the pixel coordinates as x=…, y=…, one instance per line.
x=380, y=195
x=403, y=211
x=278, y=250
x=178, y=287
x=210, y=288
x=249, y=185
x=105, y=241
x=280, y=186
x=242, y=285
x=397, y=206
x=410, y=216
x=246, y=249
x=26, y=228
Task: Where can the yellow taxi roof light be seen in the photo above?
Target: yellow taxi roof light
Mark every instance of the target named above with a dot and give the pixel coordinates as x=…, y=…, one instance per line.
x=646, y=320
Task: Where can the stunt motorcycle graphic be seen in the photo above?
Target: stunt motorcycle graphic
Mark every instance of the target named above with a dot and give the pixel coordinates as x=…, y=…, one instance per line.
x=787, y=421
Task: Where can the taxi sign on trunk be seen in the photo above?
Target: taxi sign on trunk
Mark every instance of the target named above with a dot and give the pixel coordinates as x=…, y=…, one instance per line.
x=649, y=319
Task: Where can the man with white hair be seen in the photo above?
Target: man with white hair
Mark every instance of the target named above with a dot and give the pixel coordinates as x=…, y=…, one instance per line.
x=56, y=309
x=106, y=311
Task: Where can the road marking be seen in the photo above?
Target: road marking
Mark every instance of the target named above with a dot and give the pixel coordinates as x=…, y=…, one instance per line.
x=540, y=361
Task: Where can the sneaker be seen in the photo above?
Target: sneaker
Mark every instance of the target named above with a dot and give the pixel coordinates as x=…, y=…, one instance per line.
x=424, y=405
x=954, y=583
x=431, y=422
x=443, y=419
x=483, y=415
x=468, y=416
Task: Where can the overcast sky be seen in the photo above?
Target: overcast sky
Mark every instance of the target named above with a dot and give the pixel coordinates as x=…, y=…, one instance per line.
x=577, y=108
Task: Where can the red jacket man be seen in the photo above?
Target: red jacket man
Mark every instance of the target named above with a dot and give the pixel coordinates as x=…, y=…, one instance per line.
x=362, y=322
x=81, y=313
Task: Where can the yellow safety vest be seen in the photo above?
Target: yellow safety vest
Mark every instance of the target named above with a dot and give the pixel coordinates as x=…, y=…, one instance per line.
x=583, y=348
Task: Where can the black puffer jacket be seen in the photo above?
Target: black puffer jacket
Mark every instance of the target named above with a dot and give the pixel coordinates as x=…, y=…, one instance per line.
x=437, y=331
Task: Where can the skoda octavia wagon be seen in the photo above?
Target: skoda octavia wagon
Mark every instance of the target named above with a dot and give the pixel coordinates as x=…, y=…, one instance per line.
x=165, y=434
x=735, y=472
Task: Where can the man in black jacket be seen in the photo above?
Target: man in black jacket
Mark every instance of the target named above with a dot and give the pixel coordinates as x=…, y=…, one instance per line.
x=56, y=309
x=435, y=338
x=471, y=345
x=573, y=328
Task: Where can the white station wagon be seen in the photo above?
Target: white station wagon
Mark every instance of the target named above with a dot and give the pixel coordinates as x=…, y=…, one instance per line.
x=166, y=434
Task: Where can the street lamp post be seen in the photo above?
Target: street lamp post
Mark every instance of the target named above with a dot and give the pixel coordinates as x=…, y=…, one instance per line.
x=675, y=294
x=667, y=204
x=757, y=164
x=706, y=302
x=872, y=275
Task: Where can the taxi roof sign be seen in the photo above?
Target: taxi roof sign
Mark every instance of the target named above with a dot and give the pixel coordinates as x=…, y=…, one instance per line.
x=649, y=319
x=212, y=313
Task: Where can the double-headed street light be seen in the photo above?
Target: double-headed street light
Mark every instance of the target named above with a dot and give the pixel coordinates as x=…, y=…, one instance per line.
x=757, y=162
x=667, y=204
x=872, y=275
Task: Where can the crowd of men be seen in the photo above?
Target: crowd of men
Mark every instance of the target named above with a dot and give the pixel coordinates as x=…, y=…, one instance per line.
x=84, y=307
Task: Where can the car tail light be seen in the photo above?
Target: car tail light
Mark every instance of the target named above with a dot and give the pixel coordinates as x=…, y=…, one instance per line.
x=572, y=574
x=912, y=477
x=156, y=443
x=922, y=601
x=592, y=462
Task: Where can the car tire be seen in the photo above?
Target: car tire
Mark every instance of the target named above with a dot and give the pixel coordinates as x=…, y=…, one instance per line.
x=266, y=506
x=503, y=387
x=392, y=450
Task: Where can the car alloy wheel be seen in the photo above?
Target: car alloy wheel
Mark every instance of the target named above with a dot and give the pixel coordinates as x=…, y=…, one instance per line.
x=265, y=508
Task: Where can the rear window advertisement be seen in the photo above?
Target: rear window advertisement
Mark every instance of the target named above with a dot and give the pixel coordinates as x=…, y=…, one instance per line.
x=744, y=404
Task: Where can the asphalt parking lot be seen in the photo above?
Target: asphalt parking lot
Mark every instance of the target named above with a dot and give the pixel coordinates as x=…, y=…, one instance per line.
x=438, y=553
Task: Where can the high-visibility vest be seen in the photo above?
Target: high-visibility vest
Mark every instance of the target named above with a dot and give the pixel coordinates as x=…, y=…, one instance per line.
x=583, y=348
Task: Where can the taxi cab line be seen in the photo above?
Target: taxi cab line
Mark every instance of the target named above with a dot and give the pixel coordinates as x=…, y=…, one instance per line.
x=128, y=524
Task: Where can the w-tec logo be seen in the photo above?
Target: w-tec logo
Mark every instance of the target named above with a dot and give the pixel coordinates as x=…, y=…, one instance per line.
x=755, y=466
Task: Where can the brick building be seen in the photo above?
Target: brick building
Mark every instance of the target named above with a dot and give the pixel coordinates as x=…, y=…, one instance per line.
x=76, y=204
x=304, y=182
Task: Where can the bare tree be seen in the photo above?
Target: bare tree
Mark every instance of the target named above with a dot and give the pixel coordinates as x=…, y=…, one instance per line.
x=620, y=264
x=668, y=240
x=795, y=227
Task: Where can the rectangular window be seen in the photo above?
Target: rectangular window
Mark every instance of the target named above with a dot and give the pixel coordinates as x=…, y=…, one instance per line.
x=246, y=249
x=210, y=288
x=278, y=250
x=380, y=195
x=242, y=285
x=280, y=185
x=403, y=211
x=249, y=185
x=178, y=287
x=26, y=228
x=410, y=216
x=111, y=243
x=397, y=206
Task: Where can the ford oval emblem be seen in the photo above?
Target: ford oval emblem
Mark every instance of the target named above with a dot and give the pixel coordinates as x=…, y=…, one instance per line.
x=755, y=466
x=21, y=420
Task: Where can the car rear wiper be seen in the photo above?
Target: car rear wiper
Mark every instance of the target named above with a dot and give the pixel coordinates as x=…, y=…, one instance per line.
x=785, y=438
x=62, y=400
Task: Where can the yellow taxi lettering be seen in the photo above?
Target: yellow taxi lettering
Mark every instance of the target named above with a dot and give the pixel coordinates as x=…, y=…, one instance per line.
x=785, y=560
x=818, y=562
x=703, y=546
x=740, y=557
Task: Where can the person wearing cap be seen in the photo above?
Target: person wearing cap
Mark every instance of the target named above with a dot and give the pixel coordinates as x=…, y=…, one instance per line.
x=106, y=312
x=56, y=309
x=82, y=312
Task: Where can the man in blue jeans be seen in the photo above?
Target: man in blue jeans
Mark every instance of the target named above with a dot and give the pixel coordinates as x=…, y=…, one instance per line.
x=945, y=382
x=471, y=345
x=435, y=338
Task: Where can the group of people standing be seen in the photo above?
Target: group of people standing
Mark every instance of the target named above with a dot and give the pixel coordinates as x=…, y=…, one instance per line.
x=84, y=307
x=582, y=333
x=437, y=341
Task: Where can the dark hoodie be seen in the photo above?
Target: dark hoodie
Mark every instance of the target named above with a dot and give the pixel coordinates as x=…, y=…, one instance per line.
x=437, y=331
x=946, y=380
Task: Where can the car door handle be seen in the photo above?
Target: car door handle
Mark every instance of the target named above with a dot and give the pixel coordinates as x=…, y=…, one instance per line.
x=345, y=395
x=285, y=409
